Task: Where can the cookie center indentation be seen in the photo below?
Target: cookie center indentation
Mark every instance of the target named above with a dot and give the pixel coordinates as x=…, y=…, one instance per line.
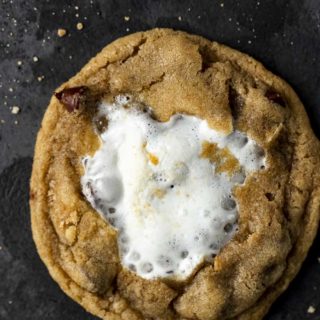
x=167, y=187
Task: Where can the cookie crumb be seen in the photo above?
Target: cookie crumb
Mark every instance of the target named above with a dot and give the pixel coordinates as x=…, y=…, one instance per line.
x=10, y=89
x=15, y=110
x=79, y=25
x=127, y=29
x=126, y=18
x=61, y=32
x=40, y=78
x=19, y=62
x=221, y=4
x=2, y=121
x=311, y=309
x=35, y=59
x=10, y=301
x=179, y=18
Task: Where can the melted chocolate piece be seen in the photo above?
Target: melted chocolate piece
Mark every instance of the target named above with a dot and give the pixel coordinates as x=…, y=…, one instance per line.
x=275, y=97
x=71, y=97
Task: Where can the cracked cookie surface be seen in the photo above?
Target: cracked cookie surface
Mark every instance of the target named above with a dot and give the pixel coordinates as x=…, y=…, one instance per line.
x=174, y=72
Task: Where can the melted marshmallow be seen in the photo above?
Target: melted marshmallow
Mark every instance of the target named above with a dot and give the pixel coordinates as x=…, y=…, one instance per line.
x=169, y=199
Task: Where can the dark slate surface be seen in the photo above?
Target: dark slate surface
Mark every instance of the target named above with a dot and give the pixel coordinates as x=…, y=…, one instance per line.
x=284, y=35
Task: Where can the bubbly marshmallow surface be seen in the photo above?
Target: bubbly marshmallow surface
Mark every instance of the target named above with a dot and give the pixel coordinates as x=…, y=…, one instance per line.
x=167, y=187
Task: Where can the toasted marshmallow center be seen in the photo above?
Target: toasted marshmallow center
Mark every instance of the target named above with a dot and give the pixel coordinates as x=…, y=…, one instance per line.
x=167, y=187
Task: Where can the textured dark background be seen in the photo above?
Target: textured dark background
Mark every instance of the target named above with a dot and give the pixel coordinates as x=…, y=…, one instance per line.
x=284, y=35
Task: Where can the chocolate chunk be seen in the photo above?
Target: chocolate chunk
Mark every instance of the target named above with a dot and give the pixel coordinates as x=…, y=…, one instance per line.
x=275, y=97
x=71, y=97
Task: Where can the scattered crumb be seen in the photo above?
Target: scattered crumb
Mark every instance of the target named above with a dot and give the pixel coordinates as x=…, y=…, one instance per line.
x=15, y=110
x=40, y=78
x=2, y=121
x=189, y=9
x=10, y=89
x=10, y=301
x=311, y=309
x=221, y=4
x=61, y=32
x=126, y=18
x=79, y=26
x=179, y=18
x=77, y=15
x=19, y=63
x=0, y=248
x=127, y=29
x=35, y=59
x=249, y=41
x=16, y=122
x=319, y=259
x=76, y=7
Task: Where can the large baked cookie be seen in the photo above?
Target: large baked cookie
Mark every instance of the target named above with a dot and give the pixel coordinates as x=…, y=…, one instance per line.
x=174, y=178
